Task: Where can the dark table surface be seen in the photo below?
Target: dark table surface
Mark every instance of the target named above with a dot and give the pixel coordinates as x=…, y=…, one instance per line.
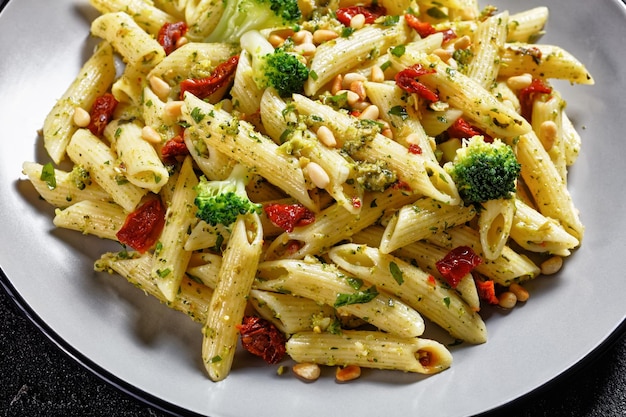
x=37, y=378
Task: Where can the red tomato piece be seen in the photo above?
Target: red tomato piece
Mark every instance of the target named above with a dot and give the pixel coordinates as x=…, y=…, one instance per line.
x=371, y=13
x=204, y=87
x=415, y=149
x=425, y=29
x=174, y=147
x=143, y=226
x=289, y=216
x=461, y=129
x=407, y=80
x=528, y=95
x=261, y=338
x=486, y=290
x=457, y=263
x=101, y=113
x=169, y=34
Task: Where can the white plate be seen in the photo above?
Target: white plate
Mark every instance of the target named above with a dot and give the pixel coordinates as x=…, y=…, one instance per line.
x=143, y=345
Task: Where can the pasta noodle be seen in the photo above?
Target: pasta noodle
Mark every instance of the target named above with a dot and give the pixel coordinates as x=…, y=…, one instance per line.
x=355, y=234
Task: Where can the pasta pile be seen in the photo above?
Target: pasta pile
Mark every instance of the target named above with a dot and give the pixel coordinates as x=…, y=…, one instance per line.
x=358, y=283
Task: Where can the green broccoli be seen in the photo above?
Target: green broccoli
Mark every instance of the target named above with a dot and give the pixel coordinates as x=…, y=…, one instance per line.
x=278, y=68
x=221, y=202
x=239, y=17
x=484, y=171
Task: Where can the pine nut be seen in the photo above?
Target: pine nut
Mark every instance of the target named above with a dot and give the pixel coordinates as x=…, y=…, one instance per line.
x=351, y=77
x=387, y=133
x=305, y=49
x=307, y=371
x=318, y=176
x=507, y=300
x=548, y=132
x=371, y=112
x=519, y=291
x=160, y=87
x=81, y=117
x=150, y=135
x=324, y=35
x=326, y=136
x=337, y=84
x=351, y=96
x=517, y=82
x=444, y=54
x=347, y=373
x=276, y=40
x=359, y=88
x=377, y=75
x=552, y=265
x=302, y=36
x=358, y=21
x=181, y=41
x=173, y=108
x=412, y=139
x=463, y=42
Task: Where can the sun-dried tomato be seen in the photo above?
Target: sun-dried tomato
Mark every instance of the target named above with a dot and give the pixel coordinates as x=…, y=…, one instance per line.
x=174, y=147
x=169, y=34
x=261, y=338
x=204, y=87
x=143, y=226
x=101, y=113
x=486, y=290
x=528, y=95
x=371, y=13
x=289, y=216
x=415, y=149
x=425, y=29
x=407, y=80
x=457, y=263
x=461, y=129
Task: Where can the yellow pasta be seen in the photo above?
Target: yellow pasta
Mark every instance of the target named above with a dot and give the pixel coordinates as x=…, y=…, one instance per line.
x=354, y=215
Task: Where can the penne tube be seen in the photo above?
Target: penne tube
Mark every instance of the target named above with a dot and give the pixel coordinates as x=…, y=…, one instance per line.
x=462, y=92
x=421, y=219
x=413, y=286
x=141, y=163
x=192, y=299
x=292, y=314
x=146, y=15
x=326, y=284
x=369, y=349
x=510, y=266
x=98, y=218
x=134, y=44
x=229, y=300
x=98, y=159
x=94, y=79
x=69, y=188
x=494, y=225
x=333, y=225
x=542, y=61
x=170, y=257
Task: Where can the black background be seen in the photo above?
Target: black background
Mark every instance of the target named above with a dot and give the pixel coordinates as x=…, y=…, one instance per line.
x=37, y=379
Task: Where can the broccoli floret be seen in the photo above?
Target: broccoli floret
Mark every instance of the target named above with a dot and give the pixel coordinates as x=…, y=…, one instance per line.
x=484, y=171
x=80, y=177
x=221, y=202
x=239, y=17
x=278, y=68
